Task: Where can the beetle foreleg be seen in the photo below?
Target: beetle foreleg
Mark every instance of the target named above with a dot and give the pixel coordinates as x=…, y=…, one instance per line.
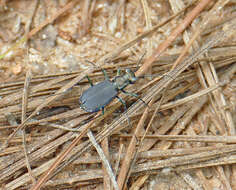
x=105, y=74
x=90, y=82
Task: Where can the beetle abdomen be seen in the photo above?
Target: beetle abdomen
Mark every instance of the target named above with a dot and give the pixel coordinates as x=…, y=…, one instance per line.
x=98, y=96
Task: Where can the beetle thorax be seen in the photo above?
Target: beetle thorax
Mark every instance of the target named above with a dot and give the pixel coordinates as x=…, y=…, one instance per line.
x=121, y=82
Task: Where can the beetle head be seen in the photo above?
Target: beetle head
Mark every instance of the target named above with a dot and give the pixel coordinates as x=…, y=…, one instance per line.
x=131, y=76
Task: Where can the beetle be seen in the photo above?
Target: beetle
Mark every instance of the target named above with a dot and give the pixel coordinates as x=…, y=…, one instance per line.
x=97, y=96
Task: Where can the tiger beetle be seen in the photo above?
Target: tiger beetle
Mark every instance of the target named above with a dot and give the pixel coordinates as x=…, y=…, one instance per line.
x=97, y=96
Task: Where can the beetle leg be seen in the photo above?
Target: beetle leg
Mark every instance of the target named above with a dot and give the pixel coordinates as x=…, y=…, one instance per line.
x=90, y=82
x=103, y=110
x=124, y=104
x=134, y=95
x=105, y=74
x=103, y=70
x=118, y=72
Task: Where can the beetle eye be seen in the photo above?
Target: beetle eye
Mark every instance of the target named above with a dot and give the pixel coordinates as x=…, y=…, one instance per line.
x=133, y=79
x=128, y=71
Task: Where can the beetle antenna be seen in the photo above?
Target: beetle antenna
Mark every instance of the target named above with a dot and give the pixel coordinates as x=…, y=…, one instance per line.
x=98, y=66
x=139, y=61
x=157, y=75
x=92, y=63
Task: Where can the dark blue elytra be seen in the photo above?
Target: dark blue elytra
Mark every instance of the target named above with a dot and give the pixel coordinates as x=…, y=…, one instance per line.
x=97, y=96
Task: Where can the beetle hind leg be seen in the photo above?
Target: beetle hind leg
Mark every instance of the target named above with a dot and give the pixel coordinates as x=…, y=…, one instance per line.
x=103, y=110
x=124, y=104
x=135, y=95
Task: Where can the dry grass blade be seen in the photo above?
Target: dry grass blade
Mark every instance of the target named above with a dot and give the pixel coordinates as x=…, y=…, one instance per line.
x=106, y=179
x=197, y=138
x=184, y=160
x=189, y=98
x=23, y=116
x=104, y=160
